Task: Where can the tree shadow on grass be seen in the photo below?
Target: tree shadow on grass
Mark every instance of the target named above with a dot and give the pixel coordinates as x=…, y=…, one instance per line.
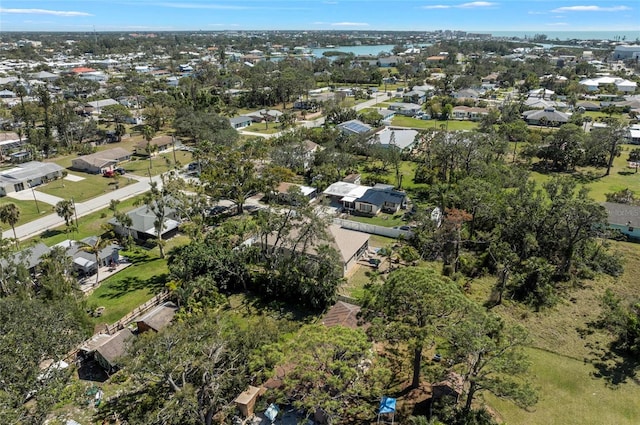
x=49, y=233
x=627, y=173
x=616, y=367
x=133, y=283
x=255, y=304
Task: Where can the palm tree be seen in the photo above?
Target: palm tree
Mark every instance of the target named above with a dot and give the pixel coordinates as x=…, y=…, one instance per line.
x=10, y=214
x=65, y=209
x=95, y=248
x=148, y=133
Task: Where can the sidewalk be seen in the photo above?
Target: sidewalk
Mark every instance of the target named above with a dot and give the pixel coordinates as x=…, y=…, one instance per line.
x=51, y=221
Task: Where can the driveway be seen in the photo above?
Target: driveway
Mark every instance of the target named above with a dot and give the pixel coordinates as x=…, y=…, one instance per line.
x=27, y=195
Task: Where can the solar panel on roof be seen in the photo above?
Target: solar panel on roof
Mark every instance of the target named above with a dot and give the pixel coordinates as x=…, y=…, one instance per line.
x=356, y=127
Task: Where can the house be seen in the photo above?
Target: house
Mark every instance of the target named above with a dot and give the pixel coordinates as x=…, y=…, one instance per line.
x=264, y=114
x=158, y=144
x=414, y=96
x=380, y=198
x=536, y=103
x=96, y=106
x=387, y=114
x=548, y=116
x=467, y=113
x=625, y=218
x=400, y=138
x=84, y=263
x=158, y=318
x=143, y=224
x=406, y=109
x=349, y=244
x=626, y=51
x=634, y=134
x=283, y=192
x=467, y=94
x=28, y=174
x=353, y=178
x=240, y=122
x=354, y=127
x=343, y=194
x=110, y=348
x=30, y=258
x=342, y=314
x=593, y=84
x=99, y=162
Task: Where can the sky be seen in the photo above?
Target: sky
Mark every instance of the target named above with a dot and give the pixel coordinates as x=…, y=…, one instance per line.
x=420, y=15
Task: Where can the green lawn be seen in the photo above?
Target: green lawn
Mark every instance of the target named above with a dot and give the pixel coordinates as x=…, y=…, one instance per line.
x=260, y=128
x=597, y=114
x=450, y=125
x=620, y=177
x=571, y=395
x=91, y=186
x=89, y=225
x=28, y=210
x=382, y=219
x=133, y=286
x=160, y=163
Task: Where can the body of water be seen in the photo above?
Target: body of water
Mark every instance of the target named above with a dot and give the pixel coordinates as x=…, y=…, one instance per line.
x=356, y=50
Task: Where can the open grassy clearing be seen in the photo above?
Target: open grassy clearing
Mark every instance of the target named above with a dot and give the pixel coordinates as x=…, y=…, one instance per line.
x=160, y=163
x=570, y=395
x=28, y=210
x=91, y=186
x=450, y=125
x=133, y=286
x=621, y=177
x=269, y=128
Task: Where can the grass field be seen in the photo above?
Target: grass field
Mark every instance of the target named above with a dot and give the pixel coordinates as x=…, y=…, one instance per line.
x=28, y=210
x=91, y=186
x=271, y=128
x=161, y=163
x=450, y=125
x=621, y=177
x=382, y=219
x=123, y=292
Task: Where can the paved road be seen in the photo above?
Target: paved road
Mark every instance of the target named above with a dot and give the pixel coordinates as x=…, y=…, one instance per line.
x=28, y=195
x=51, y=221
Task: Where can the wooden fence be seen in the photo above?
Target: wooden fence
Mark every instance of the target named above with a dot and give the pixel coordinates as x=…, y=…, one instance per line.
x=138, y=311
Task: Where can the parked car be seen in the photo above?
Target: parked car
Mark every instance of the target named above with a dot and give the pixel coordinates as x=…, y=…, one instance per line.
x=108, y=173
x=120, y=170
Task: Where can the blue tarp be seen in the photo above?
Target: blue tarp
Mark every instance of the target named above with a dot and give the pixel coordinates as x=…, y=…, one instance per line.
x=272, y=412
x=387, y=405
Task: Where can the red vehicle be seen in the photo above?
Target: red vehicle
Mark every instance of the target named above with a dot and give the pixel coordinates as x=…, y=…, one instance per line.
x=108, y=173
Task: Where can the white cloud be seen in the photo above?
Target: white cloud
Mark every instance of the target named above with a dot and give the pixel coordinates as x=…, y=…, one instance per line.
x=349, y=24
x=591, y=9
x=476, y=4
x=470, y=5
x=201, y=6
x=557, y=24
x=44, y=12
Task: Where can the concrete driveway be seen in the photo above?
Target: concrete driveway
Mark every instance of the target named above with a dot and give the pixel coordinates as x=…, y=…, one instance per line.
x=27, y=195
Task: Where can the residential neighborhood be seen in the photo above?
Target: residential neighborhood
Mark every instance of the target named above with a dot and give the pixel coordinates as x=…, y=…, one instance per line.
x=331, y=227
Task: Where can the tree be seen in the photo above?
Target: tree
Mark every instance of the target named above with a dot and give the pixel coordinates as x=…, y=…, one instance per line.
x=148, y=133
x=611, y=136
x=34, y=330
x=56, y=278
x=333, y=369
x=10, y=214
x=231, y=174
x=158, y=202
x=116, y=113
x=489, y=353
x=94, y=248
x=414, y=305
x=65, y=209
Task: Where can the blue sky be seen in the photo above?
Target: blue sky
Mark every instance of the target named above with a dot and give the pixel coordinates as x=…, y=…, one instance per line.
x=428, y=15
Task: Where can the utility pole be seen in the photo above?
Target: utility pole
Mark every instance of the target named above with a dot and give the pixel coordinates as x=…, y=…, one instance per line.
x=34, y=196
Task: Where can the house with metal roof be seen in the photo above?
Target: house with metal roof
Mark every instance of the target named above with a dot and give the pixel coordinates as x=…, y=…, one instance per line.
x=354, y=127
x=143, y=224
x=97, y=163
x=548, y=116
x=240, y=122
x=624, y=218
x=399, y=138
x=28, y=175
x=380, y=198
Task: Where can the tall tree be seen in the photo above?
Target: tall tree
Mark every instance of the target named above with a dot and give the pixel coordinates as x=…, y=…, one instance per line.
x=10, y=214
x=95, y=248
x=414, y=305
x=65, y=209
x=489, y=353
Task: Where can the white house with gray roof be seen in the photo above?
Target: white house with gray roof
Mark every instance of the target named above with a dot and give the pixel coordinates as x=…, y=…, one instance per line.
x=28, y=175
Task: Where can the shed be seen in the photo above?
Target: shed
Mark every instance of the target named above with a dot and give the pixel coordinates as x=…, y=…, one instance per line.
x=108, y=353
x=246, y=401
x=158, y=318
x=342, y=314
x=451, y=386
